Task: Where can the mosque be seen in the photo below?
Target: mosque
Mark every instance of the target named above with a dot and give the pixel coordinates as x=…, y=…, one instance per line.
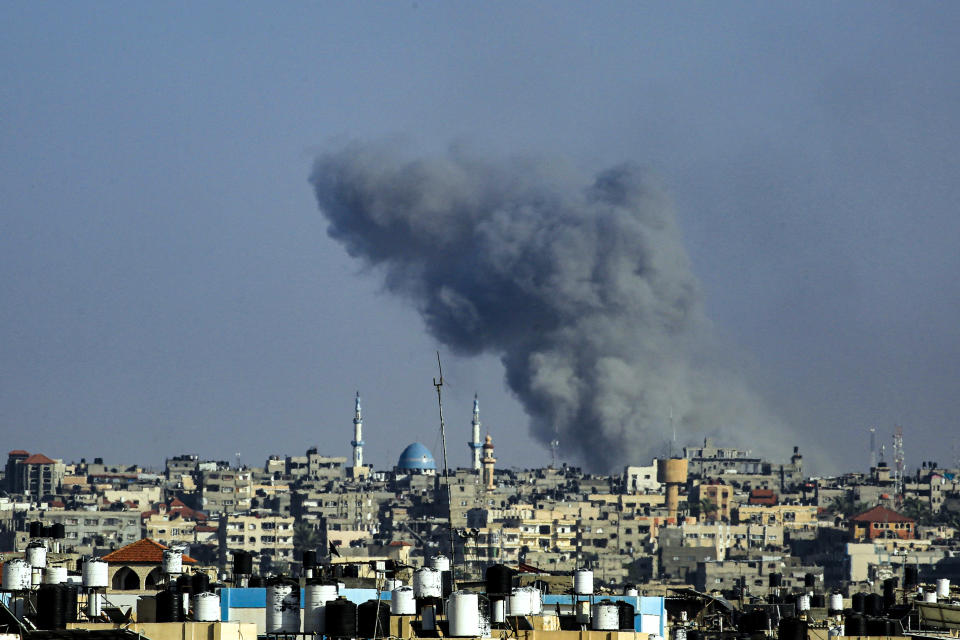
x=416, y=458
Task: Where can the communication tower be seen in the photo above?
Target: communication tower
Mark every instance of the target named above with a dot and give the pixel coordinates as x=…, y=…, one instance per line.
x=898, y=462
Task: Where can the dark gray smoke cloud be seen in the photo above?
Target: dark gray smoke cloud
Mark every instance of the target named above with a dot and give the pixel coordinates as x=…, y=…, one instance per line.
x=581, y=286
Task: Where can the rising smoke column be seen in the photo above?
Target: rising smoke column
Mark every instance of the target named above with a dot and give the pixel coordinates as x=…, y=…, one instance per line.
x=580, y=285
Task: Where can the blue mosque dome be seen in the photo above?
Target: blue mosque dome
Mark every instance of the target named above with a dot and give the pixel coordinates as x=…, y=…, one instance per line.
x=416, y=457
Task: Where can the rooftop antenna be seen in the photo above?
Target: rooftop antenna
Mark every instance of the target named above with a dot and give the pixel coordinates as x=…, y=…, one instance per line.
x=438, y=383
x=873, y=447
x=898, y=462
x=237, y=454
x=673, y=428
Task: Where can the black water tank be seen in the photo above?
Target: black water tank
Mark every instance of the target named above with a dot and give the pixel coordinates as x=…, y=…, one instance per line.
x=169, y=606
x=58, y=531
x=70, y=601
x=183, y=583
x=792, y=629
x=693, y=634
x=51, y=607
x=809, y=580
x=911, y=576
x=775, y=580
x=627, y=616
x=242, y=563
x=857, y=601
x=753, y=621
x=874, y=605
x=878, y=627
x=499, y=580
x=36, y=529
x=309, y=559
x=889, y=593
x=256, y=582
x=818, y=601
x=370, y=623
x=341, y=618
x=199, y=582
x=854, y=624
x=446, y=581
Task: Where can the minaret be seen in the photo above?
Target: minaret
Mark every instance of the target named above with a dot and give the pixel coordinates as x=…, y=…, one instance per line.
x=357, y=441
x=474, y=443
x=488, y=462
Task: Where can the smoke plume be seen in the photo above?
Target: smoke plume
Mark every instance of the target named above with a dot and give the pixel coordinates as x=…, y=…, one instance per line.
x=581, y=286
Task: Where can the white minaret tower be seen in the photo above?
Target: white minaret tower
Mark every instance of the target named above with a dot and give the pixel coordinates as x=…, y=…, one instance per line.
x=357, y=441
x=475, y=445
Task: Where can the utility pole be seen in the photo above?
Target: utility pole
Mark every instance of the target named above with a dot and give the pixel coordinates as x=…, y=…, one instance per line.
x=446, y=474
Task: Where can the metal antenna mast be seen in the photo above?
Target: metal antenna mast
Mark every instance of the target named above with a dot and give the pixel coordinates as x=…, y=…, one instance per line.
x=898, y=461
x=446, y=474
x=873, y=447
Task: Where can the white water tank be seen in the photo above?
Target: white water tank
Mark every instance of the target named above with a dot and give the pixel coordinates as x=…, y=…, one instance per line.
x=426, y=583
x=463, y=614
x=836, y=602
x=37, y=556
x=803, y=603
x=172, y=562
x=518, y=604
x=680, y=633
x=94, y=573
x=402, y=602
x=631, y=592
x=16, y=575
x=606, y=616
x=439, y=562
x=390, y=585
x=206, y=607
x=54, y=575
x=283, y=608
x=929, y=596
x=316, y=597
x=536, y=601
x=498, y=610
x=94, y=604
x=943, y=588
x=583, y=582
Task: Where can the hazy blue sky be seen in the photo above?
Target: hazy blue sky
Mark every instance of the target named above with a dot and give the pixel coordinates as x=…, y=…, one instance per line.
x=167, y=282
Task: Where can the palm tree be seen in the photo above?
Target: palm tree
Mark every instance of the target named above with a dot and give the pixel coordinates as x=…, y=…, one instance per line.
x=706, y=508
x=305, y=538
x=847, y=505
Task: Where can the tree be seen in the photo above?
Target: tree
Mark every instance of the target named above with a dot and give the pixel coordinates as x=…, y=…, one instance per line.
x=305, y=538
x=706, y=508
x=847, y=505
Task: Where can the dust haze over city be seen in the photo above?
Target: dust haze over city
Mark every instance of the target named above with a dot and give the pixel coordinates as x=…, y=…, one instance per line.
x=763, y=197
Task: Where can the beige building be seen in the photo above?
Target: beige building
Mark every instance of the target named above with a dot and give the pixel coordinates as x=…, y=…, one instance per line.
x=271, y=535
x=784, y=515
x=225, y=490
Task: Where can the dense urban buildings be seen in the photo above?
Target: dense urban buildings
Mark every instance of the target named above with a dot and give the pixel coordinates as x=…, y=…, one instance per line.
x=714, y=518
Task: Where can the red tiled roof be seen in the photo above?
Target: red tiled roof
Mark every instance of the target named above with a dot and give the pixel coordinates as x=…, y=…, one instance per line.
x=18, y=452
x=39, y=458
x=880, y=513
x=145, y=551
x=399, y=543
